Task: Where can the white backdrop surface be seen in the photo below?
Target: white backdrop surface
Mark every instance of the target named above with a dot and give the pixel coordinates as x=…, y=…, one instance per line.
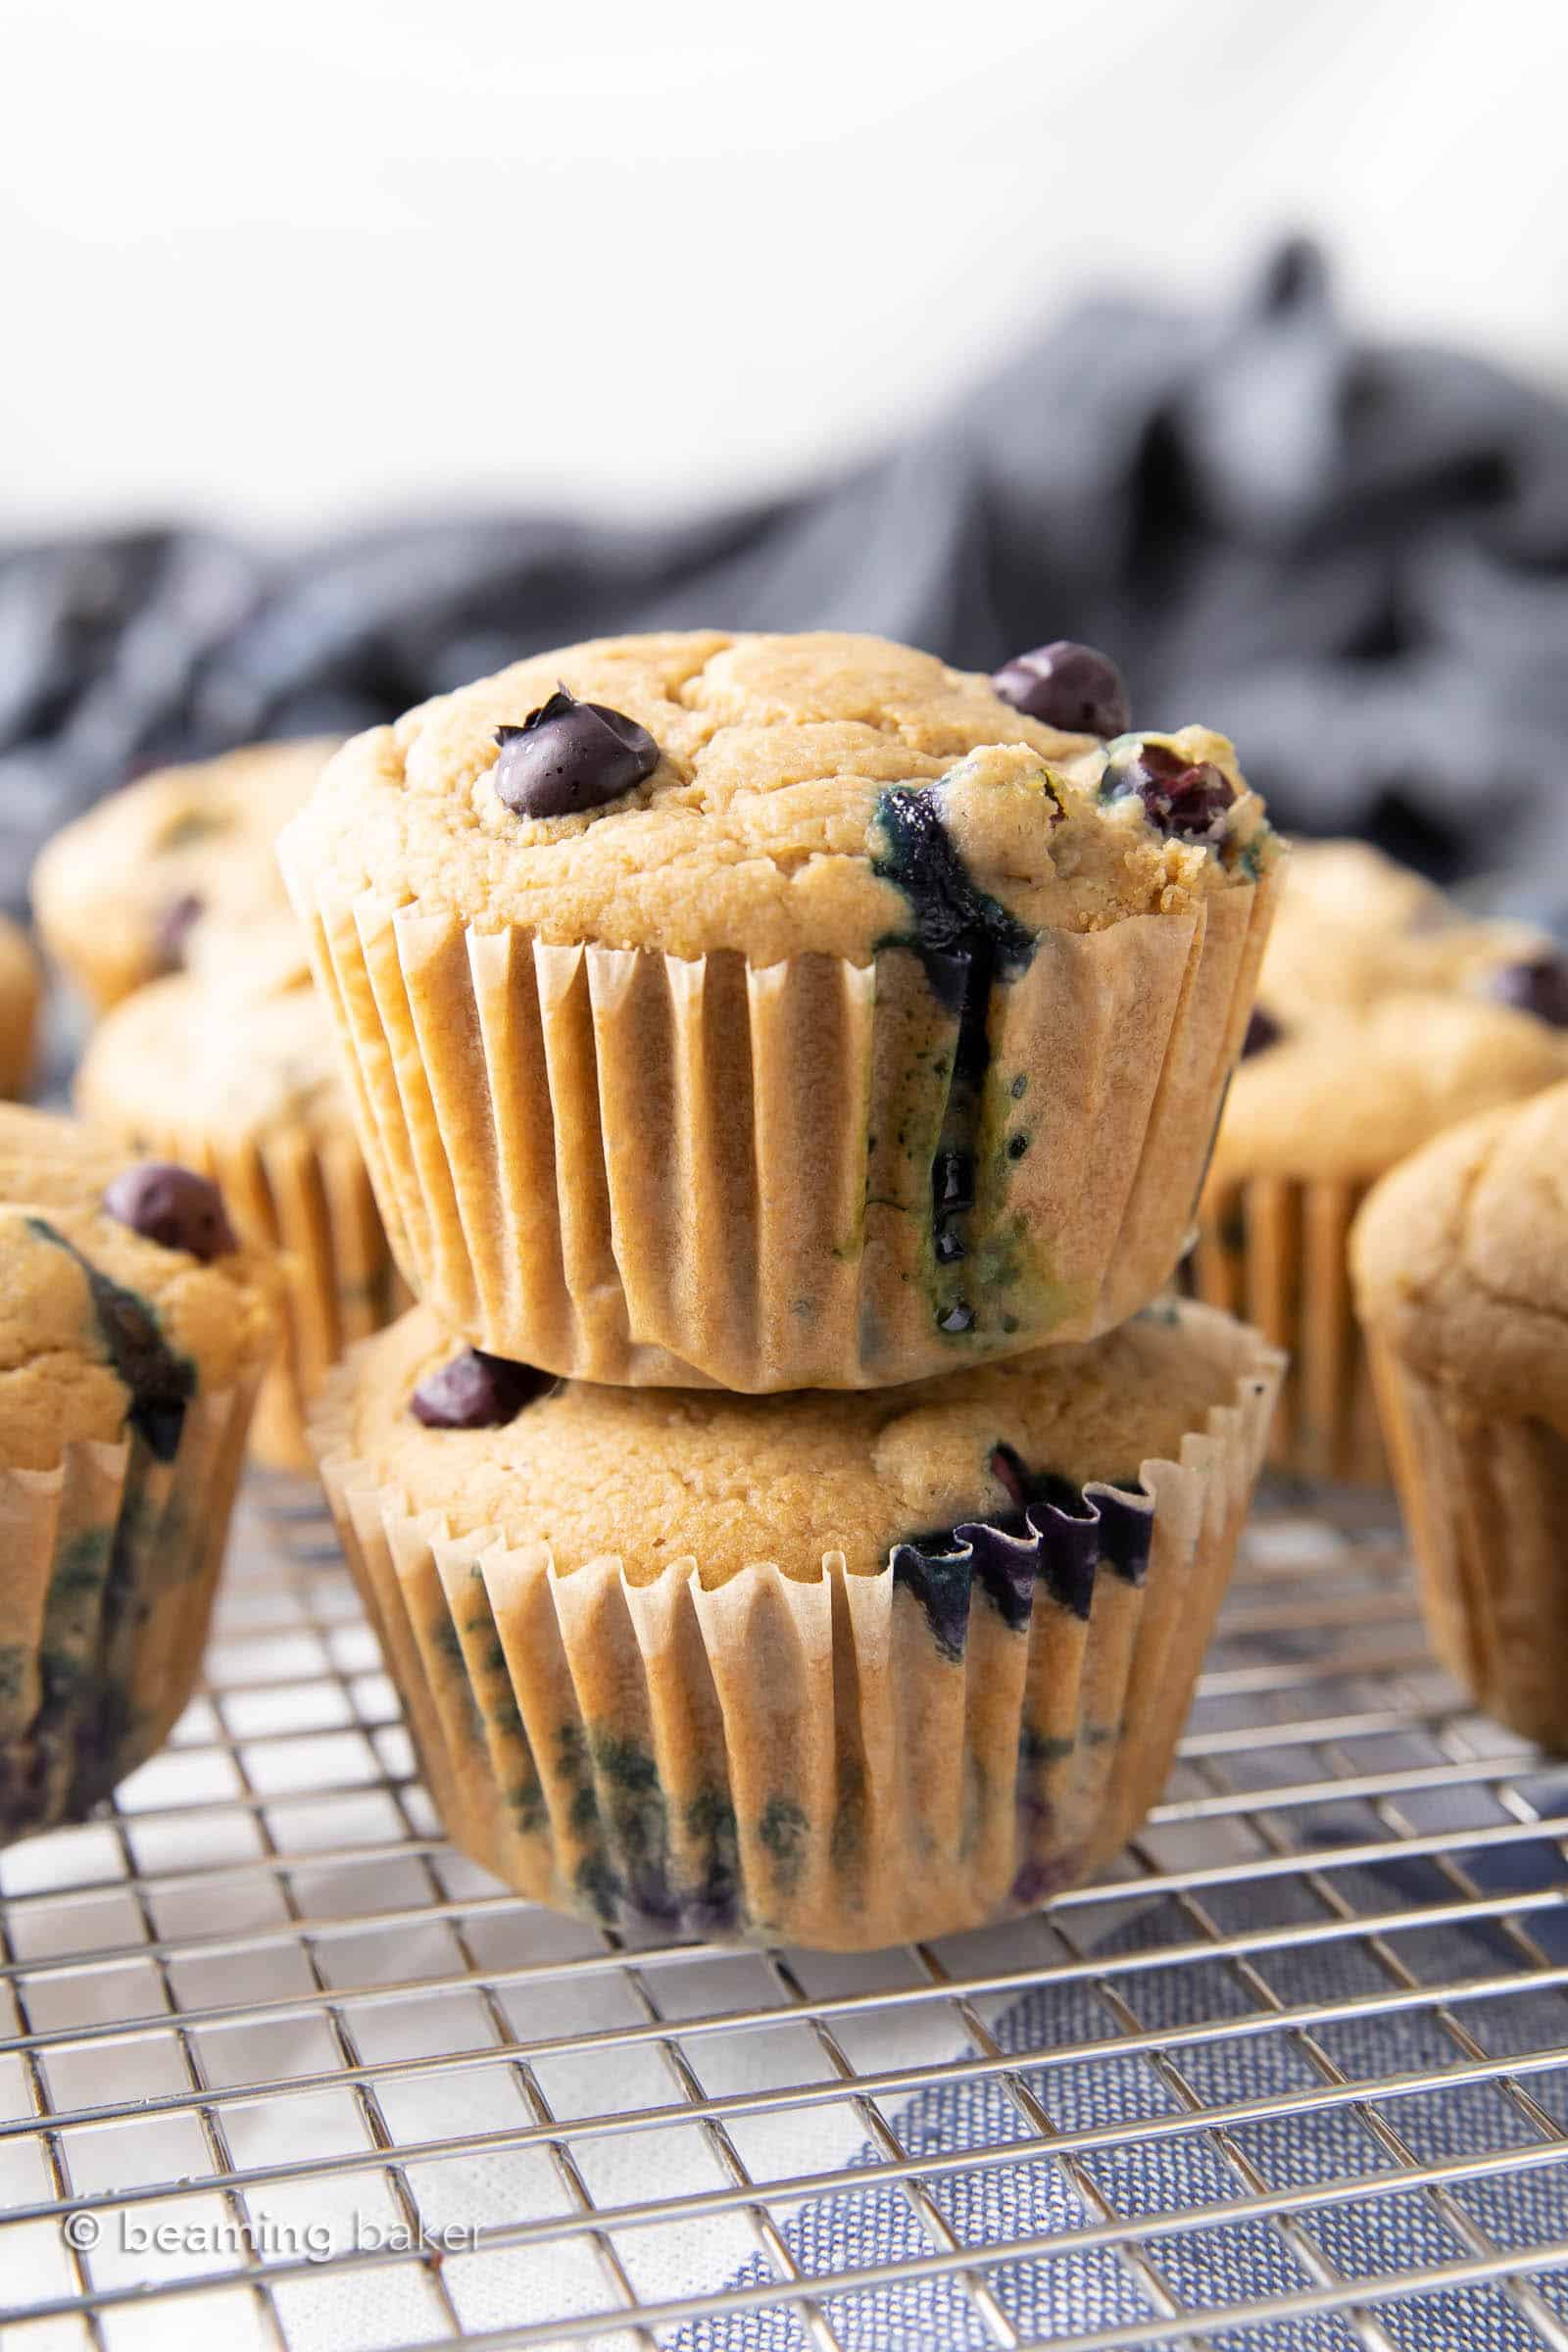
x=323, y=258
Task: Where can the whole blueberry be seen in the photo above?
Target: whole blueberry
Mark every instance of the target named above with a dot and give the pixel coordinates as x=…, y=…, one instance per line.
x=1262, y=1031
x=475, y=1391
x=1540, y=987
x=172, y=1206
x=1067, y=686
x=570, y=755
x=1181, y=795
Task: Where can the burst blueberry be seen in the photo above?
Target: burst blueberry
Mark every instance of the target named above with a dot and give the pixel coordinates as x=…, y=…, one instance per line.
x=570, y=757
x=476, y=1390
x=1068, y=686
x=172, y=1206
x=1186, y=796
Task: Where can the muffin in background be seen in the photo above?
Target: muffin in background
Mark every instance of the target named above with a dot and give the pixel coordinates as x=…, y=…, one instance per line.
x=119, y=895
x=21, y=995
x=782, y=1011
x=1461, y=1275
x=838, y=1669
x=1383, y=1018
x=231, y=1068
x=132, y=1339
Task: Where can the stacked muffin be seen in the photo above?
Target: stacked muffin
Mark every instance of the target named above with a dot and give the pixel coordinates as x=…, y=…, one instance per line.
x=166, y=907
x=785, y=1066
x=1384, y=1018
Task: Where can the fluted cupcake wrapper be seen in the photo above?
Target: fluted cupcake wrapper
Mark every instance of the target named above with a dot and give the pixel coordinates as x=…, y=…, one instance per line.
x=1485, y=1498
x=1275, y=1250
x=307, y=1199
x=845, y=1761
x=18, y=1035
x=111, y=1563
x=628, y=1168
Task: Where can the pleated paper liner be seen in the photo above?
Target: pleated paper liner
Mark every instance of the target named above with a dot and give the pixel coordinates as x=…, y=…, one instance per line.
x=1276, y=1251
x=111, y=1563
x=626, y=1167
x=19, y=1026
x=307, y=1197
x=845, y=1761
x=1485, y=1503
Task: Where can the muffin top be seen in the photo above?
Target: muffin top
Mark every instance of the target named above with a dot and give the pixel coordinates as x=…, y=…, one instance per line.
x=1348, y=1093
x=104, y=1329
x=771, y=795
x=1353, y=926
x=121, y=895
x=1350, y=883
x=1382, y=1017
x=658, y=1476
x=1461, y=1259
x=237, y=1049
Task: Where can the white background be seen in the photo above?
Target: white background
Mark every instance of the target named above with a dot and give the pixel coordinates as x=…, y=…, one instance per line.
x=295, y=259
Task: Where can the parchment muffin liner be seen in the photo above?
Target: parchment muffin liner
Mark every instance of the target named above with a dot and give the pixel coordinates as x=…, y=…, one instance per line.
x=1274, y=1249
x=628, y=1168
x=1484, y=1499
x=307, y=1199
x=108, y=1566
x=18, y=1034
x=845, y=1762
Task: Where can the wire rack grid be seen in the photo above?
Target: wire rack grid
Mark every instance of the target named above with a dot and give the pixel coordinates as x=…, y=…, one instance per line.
x=284, y=2070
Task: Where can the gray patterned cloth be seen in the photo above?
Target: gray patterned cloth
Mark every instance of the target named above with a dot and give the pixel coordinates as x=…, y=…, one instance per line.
x=1064, y=2296
x=1353, y=555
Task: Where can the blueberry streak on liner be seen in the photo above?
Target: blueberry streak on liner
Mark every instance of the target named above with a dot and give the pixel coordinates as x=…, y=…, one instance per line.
x=1060, y=1537
x=965, y=940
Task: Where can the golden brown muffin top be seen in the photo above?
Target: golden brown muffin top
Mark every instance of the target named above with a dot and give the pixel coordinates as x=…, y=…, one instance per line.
x=122, y=894
x=1461, y=1259
x=94, y=1317
x=765, y=826
x=1348, y=1093
x=1384, y=1016
x=237, y=1047
x=660, y=1476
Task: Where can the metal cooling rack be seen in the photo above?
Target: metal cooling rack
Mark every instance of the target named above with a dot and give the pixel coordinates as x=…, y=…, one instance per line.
x=1296, y=2080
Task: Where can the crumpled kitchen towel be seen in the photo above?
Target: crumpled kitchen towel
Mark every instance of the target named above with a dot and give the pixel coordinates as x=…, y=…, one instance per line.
x=1352, y=554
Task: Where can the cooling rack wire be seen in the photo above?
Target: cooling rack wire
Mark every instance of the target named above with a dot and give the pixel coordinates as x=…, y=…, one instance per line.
x=282, y=2070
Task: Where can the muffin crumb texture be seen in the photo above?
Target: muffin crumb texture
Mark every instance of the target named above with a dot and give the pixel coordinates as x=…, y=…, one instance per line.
x=761, y=828
x=664, y=1476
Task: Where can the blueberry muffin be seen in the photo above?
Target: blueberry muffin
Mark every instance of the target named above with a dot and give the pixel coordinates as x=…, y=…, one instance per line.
x=120, y=895
x=132, y=1337
x=842, y=1669
x=20, y=993
x=784, y=1012
x=231, y=1068
x=1461, y=1275
x=1382, y=1017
